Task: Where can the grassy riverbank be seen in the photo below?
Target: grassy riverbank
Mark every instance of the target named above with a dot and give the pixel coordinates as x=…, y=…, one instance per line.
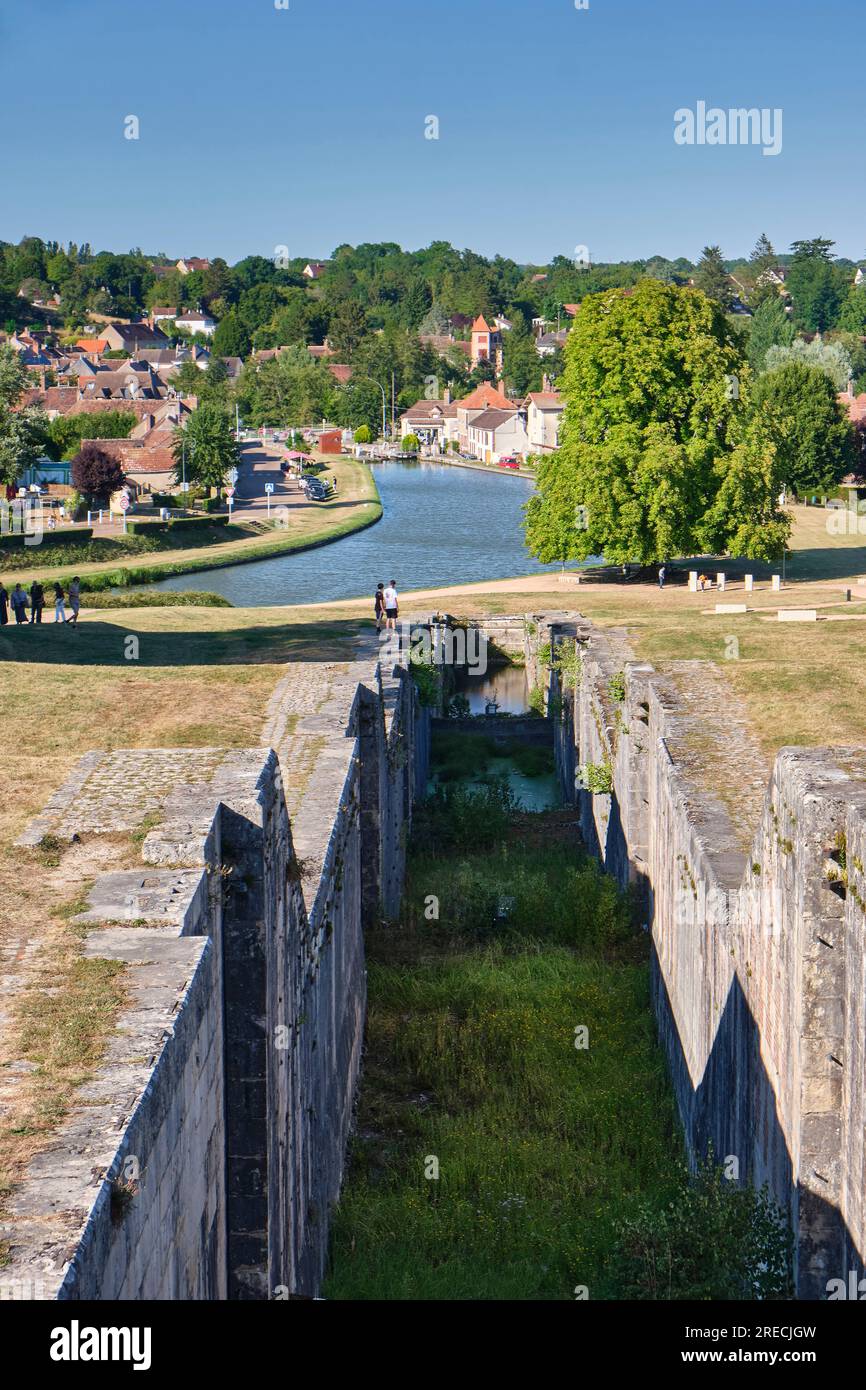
x=311, y=524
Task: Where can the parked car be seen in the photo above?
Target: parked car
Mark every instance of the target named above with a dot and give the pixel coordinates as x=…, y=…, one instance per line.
x=316, y=490
x=509, y=461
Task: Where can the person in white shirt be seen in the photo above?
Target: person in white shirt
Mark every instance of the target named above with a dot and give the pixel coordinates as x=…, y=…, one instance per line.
x=391, y=605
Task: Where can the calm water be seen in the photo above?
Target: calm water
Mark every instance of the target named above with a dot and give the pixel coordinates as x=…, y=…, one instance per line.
x=440, y=526
x=504, y=684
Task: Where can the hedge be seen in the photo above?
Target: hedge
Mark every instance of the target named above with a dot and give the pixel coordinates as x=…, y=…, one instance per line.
x=198, y=521
x=15, y=540
x=145, y=526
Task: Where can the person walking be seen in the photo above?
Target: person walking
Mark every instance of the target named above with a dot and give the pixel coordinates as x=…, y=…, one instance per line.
x=75, y=599
x=379, y=603
x=662, y=574
x=59, y=607
x=37, y=601
x=18, y=602
x=392, y=607
x=4, y=606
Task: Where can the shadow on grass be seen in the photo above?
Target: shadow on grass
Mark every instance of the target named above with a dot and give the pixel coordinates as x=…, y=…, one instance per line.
x=108, y=644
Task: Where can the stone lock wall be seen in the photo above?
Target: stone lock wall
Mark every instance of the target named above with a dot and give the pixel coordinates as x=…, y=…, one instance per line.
x=758, y=965
x=210, y=1151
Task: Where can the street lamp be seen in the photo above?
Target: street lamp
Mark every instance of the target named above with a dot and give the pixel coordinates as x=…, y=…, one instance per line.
x=384, y=401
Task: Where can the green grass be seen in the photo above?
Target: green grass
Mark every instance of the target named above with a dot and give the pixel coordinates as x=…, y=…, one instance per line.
x=471, y=1060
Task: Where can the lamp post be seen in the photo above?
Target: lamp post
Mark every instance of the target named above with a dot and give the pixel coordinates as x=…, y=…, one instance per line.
x=384, y=401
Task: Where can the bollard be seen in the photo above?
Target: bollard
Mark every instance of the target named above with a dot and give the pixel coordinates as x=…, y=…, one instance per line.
x=777, y=583
x=693, y=581
x=720, y=583
x=750, y=583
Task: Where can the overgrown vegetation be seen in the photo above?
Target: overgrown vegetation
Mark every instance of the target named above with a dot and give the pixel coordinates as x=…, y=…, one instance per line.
x=501, y=1153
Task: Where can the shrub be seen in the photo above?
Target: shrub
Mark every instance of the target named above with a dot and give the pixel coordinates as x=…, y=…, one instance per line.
x=598, y=778
x=363, y=434
x=713, y=1241
x=457, y=816
x=616, y=687
x=211, y=504
x=410, y=444
x=426, y=678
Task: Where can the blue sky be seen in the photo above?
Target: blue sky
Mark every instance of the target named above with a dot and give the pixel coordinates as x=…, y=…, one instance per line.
x=305, y=127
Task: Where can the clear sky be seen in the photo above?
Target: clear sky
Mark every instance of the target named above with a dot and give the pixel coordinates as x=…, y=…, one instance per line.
x=305, y=127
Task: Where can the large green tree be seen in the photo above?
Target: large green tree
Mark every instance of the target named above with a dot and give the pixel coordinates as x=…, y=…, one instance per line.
x=658, y=456
x=815, y=441
x=816, y=287
x=22, y=431
x=205, y=449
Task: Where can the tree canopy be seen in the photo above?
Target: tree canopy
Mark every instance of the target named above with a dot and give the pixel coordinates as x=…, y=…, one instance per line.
x=816, y=444
x=205, y=448
x=659, y=454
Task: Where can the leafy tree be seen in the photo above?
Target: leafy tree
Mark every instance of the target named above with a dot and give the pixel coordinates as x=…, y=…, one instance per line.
x=205, y=448
x=231, y=336
x=713, y=1240
x=348, y=326
x=852, y=318
x=815, y=441
x=22, y=432
x=712, y=278
x=771, y=326
x=830, y=357
x=655, y=438
x=64, y=435
x=95, y=472
x=522, y=366
x=410, y=444
x=363, y=434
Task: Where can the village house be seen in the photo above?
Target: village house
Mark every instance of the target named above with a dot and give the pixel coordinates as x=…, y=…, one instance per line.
x=428, y=420
x=191, y=263
x=166, y=314
x=196, y=321
x=314, y=270
x=495, y=434
x=544, y=410
x=547, y=343
x=130, y=337
x=484, y=397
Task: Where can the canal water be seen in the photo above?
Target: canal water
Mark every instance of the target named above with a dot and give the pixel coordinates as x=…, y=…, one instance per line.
x=440, y=525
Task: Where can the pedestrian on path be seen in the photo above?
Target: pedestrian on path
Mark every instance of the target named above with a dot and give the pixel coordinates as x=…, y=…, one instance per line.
x=379, y=603
x=662, y=573
x=18, y=601
x=59, y=607
x=37, y=601
x=75, y=599
x=391, y=605
x=4, y=606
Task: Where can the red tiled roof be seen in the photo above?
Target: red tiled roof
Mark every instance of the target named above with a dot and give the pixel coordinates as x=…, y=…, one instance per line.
x=484, y=397
x=340, y=371
x=97, y=345
x=481, y=325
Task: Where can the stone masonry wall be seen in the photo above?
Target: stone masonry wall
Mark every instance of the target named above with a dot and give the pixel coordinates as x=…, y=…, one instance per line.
x=758, y=955
x=209, y=1149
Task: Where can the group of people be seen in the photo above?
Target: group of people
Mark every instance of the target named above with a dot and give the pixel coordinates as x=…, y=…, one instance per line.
x=19, y=600
x=386, y=606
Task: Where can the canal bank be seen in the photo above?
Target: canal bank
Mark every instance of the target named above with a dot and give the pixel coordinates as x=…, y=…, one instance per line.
x=440, y=525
